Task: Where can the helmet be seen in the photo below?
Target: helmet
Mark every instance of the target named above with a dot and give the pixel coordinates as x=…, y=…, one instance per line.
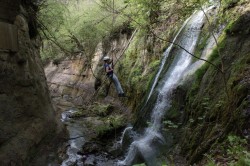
x=106, y=58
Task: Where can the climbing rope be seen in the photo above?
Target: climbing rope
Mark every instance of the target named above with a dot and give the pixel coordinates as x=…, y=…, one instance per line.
x=112, y=54
x=117, y=61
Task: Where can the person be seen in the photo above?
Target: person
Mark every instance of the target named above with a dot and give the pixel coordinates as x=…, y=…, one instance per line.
x=108, y=66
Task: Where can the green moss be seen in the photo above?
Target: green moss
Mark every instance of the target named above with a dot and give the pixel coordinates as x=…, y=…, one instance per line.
x=229, y=3
x=154, y=65
x=139, y=165
x=150, y=81
x=137, y=71
x=202, y=44
x=110, y=123
x=102, y=109
x=102, y=129
x=229, y=27
x=216, y=56
x=201, y=71
x=234, y=150
x=238, y=72
x=193, y=90
x=173, y=113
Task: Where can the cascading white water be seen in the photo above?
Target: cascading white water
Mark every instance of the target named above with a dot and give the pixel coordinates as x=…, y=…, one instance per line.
x=165, y=56
x=126, y=129
x=205, y=53
x=145, y=148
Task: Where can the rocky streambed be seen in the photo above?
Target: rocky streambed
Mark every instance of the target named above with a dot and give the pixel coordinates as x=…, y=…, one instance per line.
x=94, y=134
x=80, y=151
x=93, y=128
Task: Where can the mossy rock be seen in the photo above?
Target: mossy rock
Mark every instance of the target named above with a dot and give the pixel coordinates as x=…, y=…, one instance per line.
x=96, y=109
x=229, y=4
x=241, y=26
x=113, y=125
x=101, y=109
x=78, y=114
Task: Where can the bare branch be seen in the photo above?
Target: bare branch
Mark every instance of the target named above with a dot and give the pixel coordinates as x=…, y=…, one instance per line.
x=220, y=55
x=52, y=38
x=212, y=33
x=150, y=31
x=131, y=38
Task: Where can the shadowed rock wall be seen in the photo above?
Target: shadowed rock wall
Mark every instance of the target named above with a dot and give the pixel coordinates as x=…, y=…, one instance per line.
x=26, y=112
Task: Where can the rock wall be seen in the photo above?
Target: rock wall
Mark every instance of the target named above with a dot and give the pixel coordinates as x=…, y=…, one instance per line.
x=208, y=108
x=202, y=115
x=217, y=112
x=27, y=115
x=72, y=81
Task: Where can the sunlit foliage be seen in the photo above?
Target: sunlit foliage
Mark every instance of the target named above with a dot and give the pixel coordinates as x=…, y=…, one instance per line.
x=76, y=26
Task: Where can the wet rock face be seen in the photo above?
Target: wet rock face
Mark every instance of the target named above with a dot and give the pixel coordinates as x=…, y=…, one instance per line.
x=9, y=10
x=70, y=81
x=205, y=102
x=27, y=115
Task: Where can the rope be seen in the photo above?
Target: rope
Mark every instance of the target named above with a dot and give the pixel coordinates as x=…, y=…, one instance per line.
x=123, y=51
x=118, y=59
x=113, y=20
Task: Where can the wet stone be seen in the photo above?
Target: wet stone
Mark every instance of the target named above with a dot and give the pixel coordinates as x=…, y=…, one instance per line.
x=90, y=161
x=91, y=147
x=71, y=163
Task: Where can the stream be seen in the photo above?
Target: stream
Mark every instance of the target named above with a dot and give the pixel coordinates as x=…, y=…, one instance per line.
x=78, y=139
x=147, y=146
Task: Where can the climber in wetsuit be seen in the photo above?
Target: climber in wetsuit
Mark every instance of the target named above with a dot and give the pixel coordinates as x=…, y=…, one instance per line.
x=108, y=66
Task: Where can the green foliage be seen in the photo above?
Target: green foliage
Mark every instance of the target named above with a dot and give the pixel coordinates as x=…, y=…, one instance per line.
x=215, y=55
x=211, y=162
x=147, y=14
x=229, y=27
x=196, y=84
x=77, y=26
x=235, y=152
x=237, y=146
x=154, y=65
x=229, y=16
x=203, y=39
x=136, y=75
x=116, y=121
x=101, y=109
x=144, y=12
x=139, y=164
x=112, y=122
x=229, y=3
x=52, y=20
x=170, y=124
x=102, y=129
x=52, y=16
x=201, y=71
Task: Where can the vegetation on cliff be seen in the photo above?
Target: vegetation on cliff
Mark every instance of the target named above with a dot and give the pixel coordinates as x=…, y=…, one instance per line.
x=73, y=27
x=215, y=102
x=215, y=125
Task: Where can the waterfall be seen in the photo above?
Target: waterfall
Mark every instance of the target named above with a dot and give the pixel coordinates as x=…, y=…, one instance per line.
x=146, y=148
x=165, y=56
x=205, y=53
